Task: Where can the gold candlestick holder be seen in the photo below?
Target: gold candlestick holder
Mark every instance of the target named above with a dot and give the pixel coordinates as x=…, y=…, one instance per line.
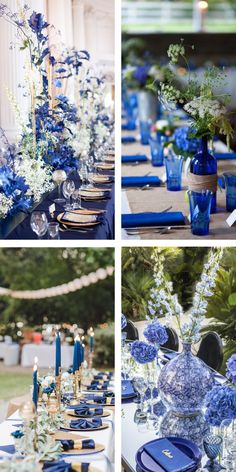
x=58, y=389
x=90, y=359
x=74, y=400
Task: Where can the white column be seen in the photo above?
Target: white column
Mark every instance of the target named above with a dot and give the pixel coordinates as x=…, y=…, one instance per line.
x=79, y=36
x=59, y=14
x=12, y=71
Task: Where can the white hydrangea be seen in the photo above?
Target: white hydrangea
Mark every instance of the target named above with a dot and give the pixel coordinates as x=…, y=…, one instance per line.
x=81, y=139
x=100, y=130
x=47, y=381
x=161, y=124
x=37, y=175
x=202, y=107
x=6, y=204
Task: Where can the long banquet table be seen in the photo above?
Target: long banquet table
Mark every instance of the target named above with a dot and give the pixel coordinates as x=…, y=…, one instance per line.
x=105, y=230
x=157, y=199
x=46, y=355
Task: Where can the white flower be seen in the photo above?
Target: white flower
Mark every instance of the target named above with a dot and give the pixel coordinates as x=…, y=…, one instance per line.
x=174, y=51
x=47, y=381
x=161, y=124
x=205, y=108
x=6, y=204
x=37, y=176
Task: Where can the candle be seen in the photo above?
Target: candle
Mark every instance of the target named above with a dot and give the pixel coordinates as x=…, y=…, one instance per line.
x=79, y=353
x=82, y=353
x=35, y=383
x=58, y=353
x=91, y=343
x=75, y=357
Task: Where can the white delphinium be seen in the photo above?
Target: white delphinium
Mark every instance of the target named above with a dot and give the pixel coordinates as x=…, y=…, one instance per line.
x=6, y=204
x=203, y=107
x=81, y=139
x=191, y=331
x=37, y=175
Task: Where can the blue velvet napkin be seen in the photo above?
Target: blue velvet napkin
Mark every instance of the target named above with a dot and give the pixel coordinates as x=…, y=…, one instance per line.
x=169, y=456
x=225, y=155
x=87, y=412
x=98, y=387
x=69, y=444
x=134, y=158
x=10, y=449
x=127, y=388
x=86, y=424
x=62, y=466
x=98, y=377
x=95, y=382
x=129, y=126
x=128, y=139
x=170, y=218
x=103, y=400
x=139, y=181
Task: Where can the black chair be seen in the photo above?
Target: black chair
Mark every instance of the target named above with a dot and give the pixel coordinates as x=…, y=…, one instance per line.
x=131, y=330
x=173, y=340
x=211, y=350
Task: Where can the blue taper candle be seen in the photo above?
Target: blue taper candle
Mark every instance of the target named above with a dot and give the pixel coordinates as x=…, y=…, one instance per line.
x=58, y=354
x=82, y=353
x=79, y=354
x=75, y=357
x=91, y=343
x=35, y=384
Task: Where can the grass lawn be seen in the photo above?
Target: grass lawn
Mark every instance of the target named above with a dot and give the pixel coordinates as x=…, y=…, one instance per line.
x=14, y=385
x=181, y=27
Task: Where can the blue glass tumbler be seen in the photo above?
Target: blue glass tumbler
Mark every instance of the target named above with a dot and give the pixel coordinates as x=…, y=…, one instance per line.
x=145, y=127
x=200, y=207
x=157, y=151
x=230, y=184
x=174, y=165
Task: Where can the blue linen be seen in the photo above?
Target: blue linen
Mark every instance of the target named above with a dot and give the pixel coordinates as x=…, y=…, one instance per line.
x=170, y=218
x=10, y=449
x=225, y=155
x=88, y=412
x=85, y=424
x=69, y=444
x=128, y=126
x=62, y=466
x=127, y=388
x=128, y=139
x=134, y=158
x=169, y=456
x=103, y=400
x=152, y=180
x=97, y=377
x=105, y=230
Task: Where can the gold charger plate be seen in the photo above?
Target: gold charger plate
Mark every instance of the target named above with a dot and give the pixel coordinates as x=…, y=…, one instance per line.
x=70, y=413
x=79, y=225
x=104, y=426
x=106, y=166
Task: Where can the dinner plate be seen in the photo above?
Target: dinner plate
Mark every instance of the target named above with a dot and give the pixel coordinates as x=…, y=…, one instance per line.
x=128, y=396
x=102, y=179
x=85, y=220
x=95, y=195
x=104, y=426
x=72, y=413
x=147, y=464
x=105, y=165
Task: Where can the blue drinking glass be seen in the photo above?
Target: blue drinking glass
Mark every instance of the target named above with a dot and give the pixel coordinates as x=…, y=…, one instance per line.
x=230, y=184
x=174, y=166
x=200, y=207
x=213, y=447
x=145, y=127
x=157, y=152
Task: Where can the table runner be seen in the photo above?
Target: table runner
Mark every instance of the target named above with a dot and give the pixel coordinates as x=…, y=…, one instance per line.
x=103, y=231
x=158, y=199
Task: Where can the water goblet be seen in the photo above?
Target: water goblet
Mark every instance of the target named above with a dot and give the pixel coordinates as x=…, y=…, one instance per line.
x=140, y=385
x=59, y=176
x=213, y=446
x=76, y=199
x=152, y=385
x=39, y=223
x=68, y=188
x=53, y=230
x=83, y=173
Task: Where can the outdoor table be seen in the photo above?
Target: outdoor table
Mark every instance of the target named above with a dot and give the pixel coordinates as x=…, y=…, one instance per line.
x=46, y=355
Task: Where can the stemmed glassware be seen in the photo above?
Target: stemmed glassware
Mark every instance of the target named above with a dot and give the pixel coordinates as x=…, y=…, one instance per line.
x=152, y=385
x=76, y=199
x=83, y=173
x=59, y=176
x=140, y=385
x=68, y=189
x=213, y=447
x=39, y=223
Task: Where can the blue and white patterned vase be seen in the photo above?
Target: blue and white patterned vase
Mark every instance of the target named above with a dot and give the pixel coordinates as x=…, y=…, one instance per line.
x=183, y=384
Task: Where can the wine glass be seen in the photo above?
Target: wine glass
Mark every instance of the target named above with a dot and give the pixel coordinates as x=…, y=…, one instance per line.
x=53, y=230
x=213, y=446
x=39, y=223
x=76, y=199
x=68, y=188
x=59, y=176
x=83, y=173
x=140, y=385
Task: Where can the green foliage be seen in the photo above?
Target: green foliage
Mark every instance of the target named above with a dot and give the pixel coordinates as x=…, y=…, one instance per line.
x=105, y=347
x=31, y=268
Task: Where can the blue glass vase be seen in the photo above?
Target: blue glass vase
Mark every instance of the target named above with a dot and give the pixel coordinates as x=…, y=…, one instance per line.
x=203, y=163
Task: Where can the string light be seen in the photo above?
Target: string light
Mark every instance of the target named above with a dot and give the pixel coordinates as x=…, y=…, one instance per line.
x=64, y=289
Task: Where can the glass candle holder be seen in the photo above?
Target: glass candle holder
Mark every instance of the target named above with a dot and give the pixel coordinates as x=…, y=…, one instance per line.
x=157, y=152
x=230, y=184
x=145, y=131
x=200, y=207
x=174, y=165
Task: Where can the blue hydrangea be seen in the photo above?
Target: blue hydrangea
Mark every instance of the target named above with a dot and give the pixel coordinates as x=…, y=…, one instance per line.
x=231, y=368
x=155, y=333
x=220, y=405
x=141, y=74
x=184, y=142
x=17, y=434
x=14, y=186
x=143, y=352
x=123, y=321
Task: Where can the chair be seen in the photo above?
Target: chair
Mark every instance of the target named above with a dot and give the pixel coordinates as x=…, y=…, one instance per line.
x=131, y=330
x=173, y=340
x=211, y=350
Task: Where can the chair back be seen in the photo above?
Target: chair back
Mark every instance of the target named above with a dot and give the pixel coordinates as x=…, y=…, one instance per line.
x=131, y=330
x=211, y=350
x=173, y=340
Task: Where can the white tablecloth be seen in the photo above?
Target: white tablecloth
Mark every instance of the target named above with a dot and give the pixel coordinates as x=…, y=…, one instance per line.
x=46, y=355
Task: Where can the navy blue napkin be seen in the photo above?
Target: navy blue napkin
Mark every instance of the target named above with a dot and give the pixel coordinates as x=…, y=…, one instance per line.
x=95, y=382
x=170, y=218
x=103, y=400
x=62, y=466
x=140, y=181
x=129, y=126
x=169, y=456
x=225, y=155
x=69, y=444
x=87, y=412
x=10, y=449
x=134, y=158
x=86, y=424
x=98, y=377
x=127, y=388
x=128, y=139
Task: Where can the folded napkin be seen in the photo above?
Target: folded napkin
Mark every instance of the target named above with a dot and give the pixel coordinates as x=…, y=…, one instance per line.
x=62, y=466
x=86, y=411
x=169, y=456
x=97, y=387
x=153, y=181
x=128, y=139
x=104, y=400
x=98, y=377
x=10, y=449
x=134, y=158
x=225, y=155
x=129, y=126
x=86, y=424
x=127, y=388
x=170, y=218
x=77, y=444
